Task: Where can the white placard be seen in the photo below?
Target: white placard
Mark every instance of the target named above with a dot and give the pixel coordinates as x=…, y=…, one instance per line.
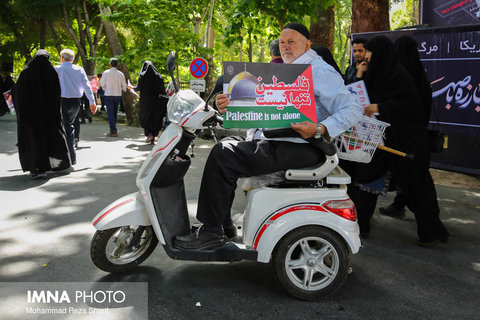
x=197, y=85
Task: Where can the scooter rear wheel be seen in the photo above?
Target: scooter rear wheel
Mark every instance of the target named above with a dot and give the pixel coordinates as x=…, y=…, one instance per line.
x=311, y=262
x=111, y=249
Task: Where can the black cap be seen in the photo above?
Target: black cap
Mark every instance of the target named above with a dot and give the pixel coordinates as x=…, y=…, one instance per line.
x=299, y=28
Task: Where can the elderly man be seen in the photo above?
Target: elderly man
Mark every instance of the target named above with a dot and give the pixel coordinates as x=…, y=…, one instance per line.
x=275, y=51
x=73, y=83
x=236, y=158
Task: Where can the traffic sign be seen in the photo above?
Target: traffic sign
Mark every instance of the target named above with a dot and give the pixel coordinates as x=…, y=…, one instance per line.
x=199, y=68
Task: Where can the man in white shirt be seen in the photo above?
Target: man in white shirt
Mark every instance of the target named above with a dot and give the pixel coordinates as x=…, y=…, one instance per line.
x=113, y=82
x=73, y=83
x=256, y=155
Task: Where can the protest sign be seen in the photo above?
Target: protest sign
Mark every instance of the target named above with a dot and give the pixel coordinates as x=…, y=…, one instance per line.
x=359, y=91
x=8, y=99
x=268, y=95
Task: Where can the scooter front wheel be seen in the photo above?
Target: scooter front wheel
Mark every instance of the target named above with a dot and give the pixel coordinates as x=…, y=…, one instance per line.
x=113, y=250
x=311, y=262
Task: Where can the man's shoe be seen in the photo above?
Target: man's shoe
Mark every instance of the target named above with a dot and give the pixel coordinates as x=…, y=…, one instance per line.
x=200, y=240
x=112, y=134
x=230, y=231
x=393, y=212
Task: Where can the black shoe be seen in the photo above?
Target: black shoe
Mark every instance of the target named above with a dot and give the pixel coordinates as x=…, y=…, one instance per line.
x=230, y=231
x=90, y=120
x=393, y=212
x=200, y=240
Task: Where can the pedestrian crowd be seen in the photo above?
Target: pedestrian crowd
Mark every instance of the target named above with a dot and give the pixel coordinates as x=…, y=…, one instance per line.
x=52, y=101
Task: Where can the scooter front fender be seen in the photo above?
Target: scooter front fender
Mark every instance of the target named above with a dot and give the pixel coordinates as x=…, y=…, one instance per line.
x=128, y=210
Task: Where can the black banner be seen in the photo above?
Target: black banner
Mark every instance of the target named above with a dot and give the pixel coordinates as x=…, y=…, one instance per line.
x=451, y=57
x=440, y=13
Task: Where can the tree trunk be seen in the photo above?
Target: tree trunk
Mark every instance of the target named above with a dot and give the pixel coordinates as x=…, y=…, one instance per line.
x=262, y=50
x=42, y=33
x=250, y=47
x=54, y=37
x=370, y=16
x=322, y=30
x=209, y=81
x=113, y=40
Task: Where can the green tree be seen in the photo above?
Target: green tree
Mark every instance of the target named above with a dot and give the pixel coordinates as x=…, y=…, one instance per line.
x=404, y=13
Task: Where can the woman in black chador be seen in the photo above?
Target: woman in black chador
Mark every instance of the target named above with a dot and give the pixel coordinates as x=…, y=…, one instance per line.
x=407, y=54
x=394, y=96
x=153, y=107
x=41, y=137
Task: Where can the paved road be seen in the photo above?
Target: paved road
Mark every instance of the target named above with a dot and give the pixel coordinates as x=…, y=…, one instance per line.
x=45, y=233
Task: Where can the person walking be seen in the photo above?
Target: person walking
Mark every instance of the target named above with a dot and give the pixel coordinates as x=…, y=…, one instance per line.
x=153, y=104
x=73, y=83
x=100, y=92
x=407, y=54
x=113, y=82
x=396, y=99
x=41, y=137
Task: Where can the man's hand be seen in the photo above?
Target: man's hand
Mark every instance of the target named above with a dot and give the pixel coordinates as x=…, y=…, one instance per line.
x=93, y=108
x=307, y=129
x=371, y=109
x=222, y=100
x=361, y=69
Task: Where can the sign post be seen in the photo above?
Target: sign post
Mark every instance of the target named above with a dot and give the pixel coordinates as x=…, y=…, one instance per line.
x=198, y=69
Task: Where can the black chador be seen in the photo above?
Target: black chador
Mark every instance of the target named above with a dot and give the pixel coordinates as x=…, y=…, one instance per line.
x=152, y=106
x=41, y=136
x=400, y=104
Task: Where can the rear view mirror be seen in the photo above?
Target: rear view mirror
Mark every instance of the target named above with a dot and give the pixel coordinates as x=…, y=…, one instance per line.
x=218, y=88
x=171, y=65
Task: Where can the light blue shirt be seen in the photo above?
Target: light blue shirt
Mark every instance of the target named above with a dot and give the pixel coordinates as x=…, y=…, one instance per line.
x=74, y=82
x=336, y=107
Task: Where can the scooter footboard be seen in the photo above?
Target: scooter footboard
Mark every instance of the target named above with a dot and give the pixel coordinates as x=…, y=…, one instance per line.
x=168, y=196
x=128, y=210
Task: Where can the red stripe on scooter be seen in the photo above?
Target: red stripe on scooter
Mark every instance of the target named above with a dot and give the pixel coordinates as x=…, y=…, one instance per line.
x=163, y=148
x=190, y=116
x=284, y=212
x=262, y=230
x=111, y=209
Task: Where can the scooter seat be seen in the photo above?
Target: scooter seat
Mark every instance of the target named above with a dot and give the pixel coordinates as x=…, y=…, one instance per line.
x=328, y=169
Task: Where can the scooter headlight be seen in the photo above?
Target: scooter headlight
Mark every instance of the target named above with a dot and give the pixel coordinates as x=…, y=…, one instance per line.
x=182, y=104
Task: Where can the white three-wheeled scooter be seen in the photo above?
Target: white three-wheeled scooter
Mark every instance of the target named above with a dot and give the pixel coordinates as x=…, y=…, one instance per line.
x=305, y=226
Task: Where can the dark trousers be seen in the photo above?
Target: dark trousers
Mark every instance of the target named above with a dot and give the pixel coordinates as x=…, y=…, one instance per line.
x=365, y=203
x=400, y=201
x=112, y=103
x=70, y=109
x=413, y=179
x=235, y=158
